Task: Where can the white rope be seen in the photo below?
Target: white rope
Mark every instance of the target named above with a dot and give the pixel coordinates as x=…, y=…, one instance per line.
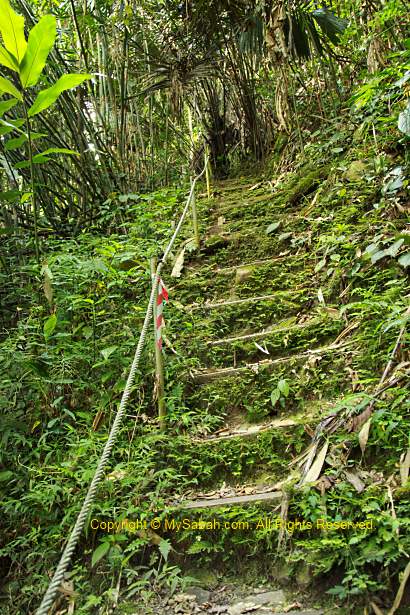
x=65, y=559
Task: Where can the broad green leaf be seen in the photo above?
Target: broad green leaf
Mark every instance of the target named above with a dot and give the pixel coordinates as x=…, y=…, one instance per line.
x=99, y=553
x=12, y=31
x=6, y=59
x=394, y=248
x=164, y=547
x=49, y=325
x=13, y=144
x=404, y=120
x=6, y=105
x=275, y=395
x=272, y=227
x=404, y=259
x=283, y=387
x=379, y=255
x=320, y=265
x=9, y=126
x=6, y=87
x=6, y=475
x=106, y=352
x=40, y=42
x=47, y=97
x=24, y=164
x=42, y=157
x=59, y=150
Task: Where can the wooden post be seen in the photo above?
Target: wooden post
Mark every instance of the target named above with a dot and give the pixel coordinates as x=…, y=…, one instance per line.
x=207, y=174
x=159, y=364
x=195, y=220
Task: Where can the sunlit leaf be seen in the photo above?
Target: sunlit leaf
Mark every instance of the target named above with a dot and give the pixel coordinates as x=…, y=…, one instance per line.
x=47, y=97
x=49, y=326
x=6, y=87
x=12, y=31
x=40, y=41
x=6, y=59
x=6, y=105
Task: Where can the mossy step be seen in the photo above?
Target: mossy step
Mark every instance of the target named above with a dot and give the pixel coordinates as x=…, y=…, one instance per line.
x=232, y=460
x=228, y=318
x=291, y=336
x=207, y=375
x=245, y=283
x=287, y=325
x=248, y=431
x=238, y=500
x=245, y=301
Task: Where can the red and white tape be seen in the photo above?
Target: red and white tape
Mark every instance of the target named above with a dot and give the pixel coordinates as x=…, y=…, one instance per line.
x=162, y=296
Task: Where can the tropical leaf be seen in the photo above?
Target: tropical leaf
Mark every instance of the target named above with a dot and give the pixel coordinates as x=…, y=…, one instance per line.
x=40, y=41
x=9, y=126
x=164, y=547
x=6, y=87
x=13, y=144
x=47, y=97
x=6, y=105
x=12, y=31
x=330, y=25
x=404, y=120
x=100, y=552
x=49, y=326
x=6, y=59
x=45, y=156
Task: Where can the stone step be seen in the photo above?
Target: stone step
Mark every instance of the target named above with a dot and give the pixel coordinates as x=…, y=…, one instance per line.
x=287, y=325
x=246, y=300
x=207, y=375
x=230, y=501
x=249, y=430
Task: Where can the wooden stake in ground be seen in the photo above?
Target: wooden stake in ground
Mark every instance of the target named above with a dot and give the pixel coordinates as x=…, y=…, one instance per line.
x=159, y=364
x=207, y=173
x=195, y=221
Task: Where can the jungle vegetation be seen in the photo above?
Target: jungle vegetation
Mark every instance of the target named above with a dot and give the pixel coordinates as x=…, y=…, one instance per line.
x=107, y=111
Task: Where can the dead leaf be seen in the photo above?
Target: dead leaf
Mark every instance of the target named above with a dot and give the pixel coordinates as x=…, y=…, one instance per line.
x=364, y=435
x=47, y=285
x=117, y=475
x=401, y=589
x=265, y=350
x=376, y=609
x=320, y=296
x=404, y=467
x=178, y=265
x=316, y=468
x=357, y=421
x=354, y=480
x=290, y=607
x=97, y=419
x=323, y=484
x=67, y=588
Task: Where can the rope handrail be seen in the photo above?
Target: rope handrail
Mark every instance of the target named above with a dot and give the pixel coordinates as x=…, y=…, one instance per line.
x=69, y=549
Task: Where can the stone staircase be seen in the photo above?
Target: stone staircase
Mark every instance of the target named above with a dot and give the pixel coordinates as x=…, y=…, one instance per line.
x=248, y=315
